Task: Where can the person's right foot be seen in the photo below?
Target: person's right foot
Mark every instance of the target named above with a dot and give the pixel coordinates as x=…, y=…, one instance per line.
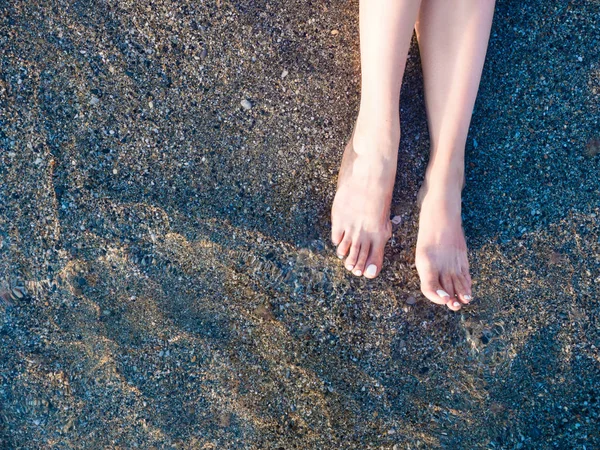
x=360, y=215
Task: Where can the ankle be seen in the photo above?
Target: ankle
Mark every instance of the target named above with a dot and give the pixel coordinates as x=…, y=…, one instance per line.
x=447, y=178
x=379, y=123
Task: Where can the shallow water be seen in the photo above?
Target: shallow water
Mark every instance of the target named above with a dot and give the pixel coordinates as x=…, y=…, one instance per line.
x=166, y=279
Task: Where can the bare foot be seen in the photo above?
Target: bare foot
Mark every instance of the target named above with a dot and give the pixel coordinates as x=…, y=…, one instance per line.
x=360, y=215
x=441, y=256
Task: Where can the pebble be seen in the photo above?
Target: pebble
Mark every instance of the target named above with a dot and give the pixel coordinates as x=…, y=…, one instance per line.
x=17, y=293
x=396, y=220
x=94, y=100
x=335, y=32
x=264, y=312
x=411, y=301
x=284, y=74
x=246, y=104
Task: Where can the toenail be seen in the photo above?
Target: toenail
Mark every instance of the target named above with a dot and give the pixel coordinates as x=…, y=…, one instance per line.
x=349, y=267
x=442, y=293
x=456, y=304
x=467, y=298
x=357, y=272
x=371, y=270
x=340, y=256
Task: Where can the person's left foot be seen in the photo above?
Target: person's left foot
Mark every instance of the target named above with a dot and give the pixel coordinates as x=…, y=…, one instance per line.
x=441, y=254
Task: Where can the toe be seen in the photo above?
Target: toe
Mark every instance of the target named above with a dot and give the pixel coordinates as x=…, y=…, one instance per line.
x=448, y=286
x=432, y=289
x=462, y=289
x=353, y=256
x=374, y=261
x=359, y=267
x=467, y=277
x=344, y=246
x=337, y=234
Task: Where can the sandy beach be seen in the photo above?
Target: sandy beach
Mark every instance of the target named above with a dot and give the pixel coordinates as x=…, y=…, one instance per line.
x=167, y=281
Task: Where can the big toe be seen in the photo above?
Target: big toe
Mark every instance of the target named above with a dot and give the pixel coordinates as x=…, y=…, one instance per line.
x=375, y=260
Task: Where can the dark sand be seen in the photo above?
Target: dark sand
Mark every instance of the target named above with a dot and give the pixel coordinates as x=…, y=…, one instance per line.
x=167, y=277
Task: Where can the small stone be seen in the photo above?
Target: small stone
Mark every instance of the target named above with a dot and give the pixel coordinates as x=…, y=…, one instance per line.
x=264, y=312
x=284, y=74
x=17, y=294
x=67, y=427
x=38, y=160
x=151, y=104
x=225, y=419
x=94, y=100
x=411, y=300
x=106, y=312
x=334, y=32
x=396, y=220
x=246, y=104
x=115, y=171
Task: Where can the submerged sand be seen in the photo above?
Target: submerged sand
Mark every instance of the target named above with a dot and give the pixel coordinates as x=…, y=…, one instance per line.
x=166, y=174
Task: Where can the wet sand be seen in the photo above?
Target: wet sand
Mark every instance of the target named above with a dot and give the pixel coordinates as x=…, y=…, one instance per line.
x=166, y=174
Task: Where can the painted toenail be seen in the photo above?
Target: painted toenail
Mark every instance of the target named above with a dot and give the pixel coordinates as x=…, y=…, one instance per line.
x=371, y=270
x=456, y=304
x=340, y=256
x=468, y=298
x=349, y=267
x=442, y=293
x=357, y=272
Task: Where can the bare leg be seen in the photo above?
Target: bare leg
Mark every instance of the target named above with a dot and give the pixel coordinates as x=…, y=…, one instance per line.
x=360, y=214
x=453, y=37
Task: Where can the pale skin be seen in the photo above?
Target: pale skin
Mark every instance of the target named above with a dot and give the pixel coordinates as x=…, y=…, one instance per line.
x=453, y=37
